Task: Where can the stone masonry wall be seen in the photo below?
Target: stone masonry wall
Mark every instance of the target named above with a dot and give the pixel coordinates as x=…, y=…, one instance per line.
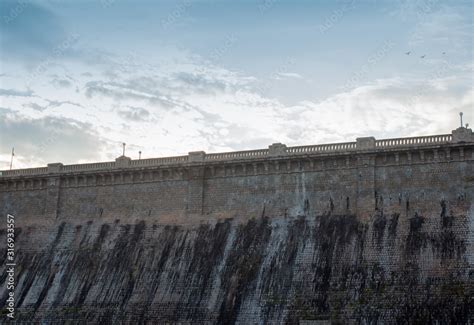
x=378, y=235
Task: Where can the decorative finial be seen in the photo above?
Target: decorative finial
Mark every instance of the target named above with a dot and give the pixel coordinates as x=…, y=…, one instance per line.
x=460, y=115
x=123, y=145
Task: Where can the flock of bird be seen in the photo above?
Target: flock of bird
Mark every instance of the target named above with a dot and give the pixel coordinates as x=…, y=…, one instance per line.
x=421, y=57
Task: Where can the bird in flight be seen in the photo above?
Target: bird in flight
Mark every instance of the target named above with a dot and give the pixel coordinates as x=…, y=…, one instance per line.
x=408, y=53
x=444, y=53
x=423, y=56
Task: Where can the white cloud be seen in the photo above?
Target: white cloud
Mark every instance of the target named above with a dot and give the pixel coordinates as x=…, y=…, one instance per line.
x=289, y=75
x=388, y=108
x=188, y=106
x=38, y=141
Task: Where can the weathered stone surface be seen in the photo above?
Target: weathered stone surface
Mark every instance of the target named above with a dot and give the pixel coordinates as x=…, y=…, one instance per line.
x=382, y=235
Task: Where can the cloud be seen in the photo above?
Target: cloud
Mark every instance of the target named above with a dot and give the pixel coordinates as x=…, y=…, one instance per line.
x=18, y=93
x=36, y=106
x=61, y=83
x=198, y=83
x=42, y=104
x=49, y=139
x=127, y=93
x=290, y=75
x=136, y=114
x=384, y=108
x=58, y=103
x=117, y=90
x=193, y=106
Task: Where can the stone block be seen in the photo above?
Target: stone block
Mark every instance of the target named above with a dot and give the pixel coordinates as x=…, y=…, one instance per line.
x=365, y=143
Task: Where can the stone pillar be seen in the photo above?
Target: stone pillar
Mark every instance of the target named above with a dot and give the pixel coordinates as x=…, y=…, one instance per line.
x=122, y=162
x=55, y=168
x=53, y=191
x=365, y=186
x=277, y=149
x=365, y=204
x=195, y=196
x=366, y=143
x=196, y=156
x=463, y=134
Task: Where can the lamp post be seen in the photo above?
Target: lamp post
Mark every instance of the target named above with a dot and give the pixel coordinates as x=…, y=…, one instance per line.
x=11, y=161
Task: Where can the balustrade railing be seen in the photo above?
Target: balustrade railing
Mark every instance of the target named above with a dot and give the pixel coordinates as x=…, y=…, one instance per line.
x=414, y=141
x=322, y=148
x=27, y=171
x=90, y=166
x=236, y=155
x=239, y=155
x=159, y=161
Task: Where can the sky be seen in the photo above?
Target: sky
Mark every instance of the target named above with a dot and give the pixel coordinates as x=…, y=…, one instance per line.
x=78, y=78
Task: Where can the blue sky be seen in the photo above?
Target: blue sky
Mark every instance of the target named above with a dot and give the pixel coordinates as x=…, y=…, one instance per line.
x=78, y=78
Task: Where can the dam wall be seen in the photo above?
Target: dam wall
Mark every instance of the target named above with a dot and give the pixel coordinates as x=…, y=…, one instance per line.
x=355, y=178
x=360, y=232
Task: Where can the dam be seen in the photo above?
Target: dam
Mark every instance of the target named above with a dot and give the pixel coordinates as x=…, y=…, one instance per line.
x=370, y=231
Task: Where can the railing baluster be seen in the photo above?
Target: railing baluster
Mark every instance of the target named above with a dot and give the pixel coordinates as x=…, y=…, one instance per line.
x=250, y=154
